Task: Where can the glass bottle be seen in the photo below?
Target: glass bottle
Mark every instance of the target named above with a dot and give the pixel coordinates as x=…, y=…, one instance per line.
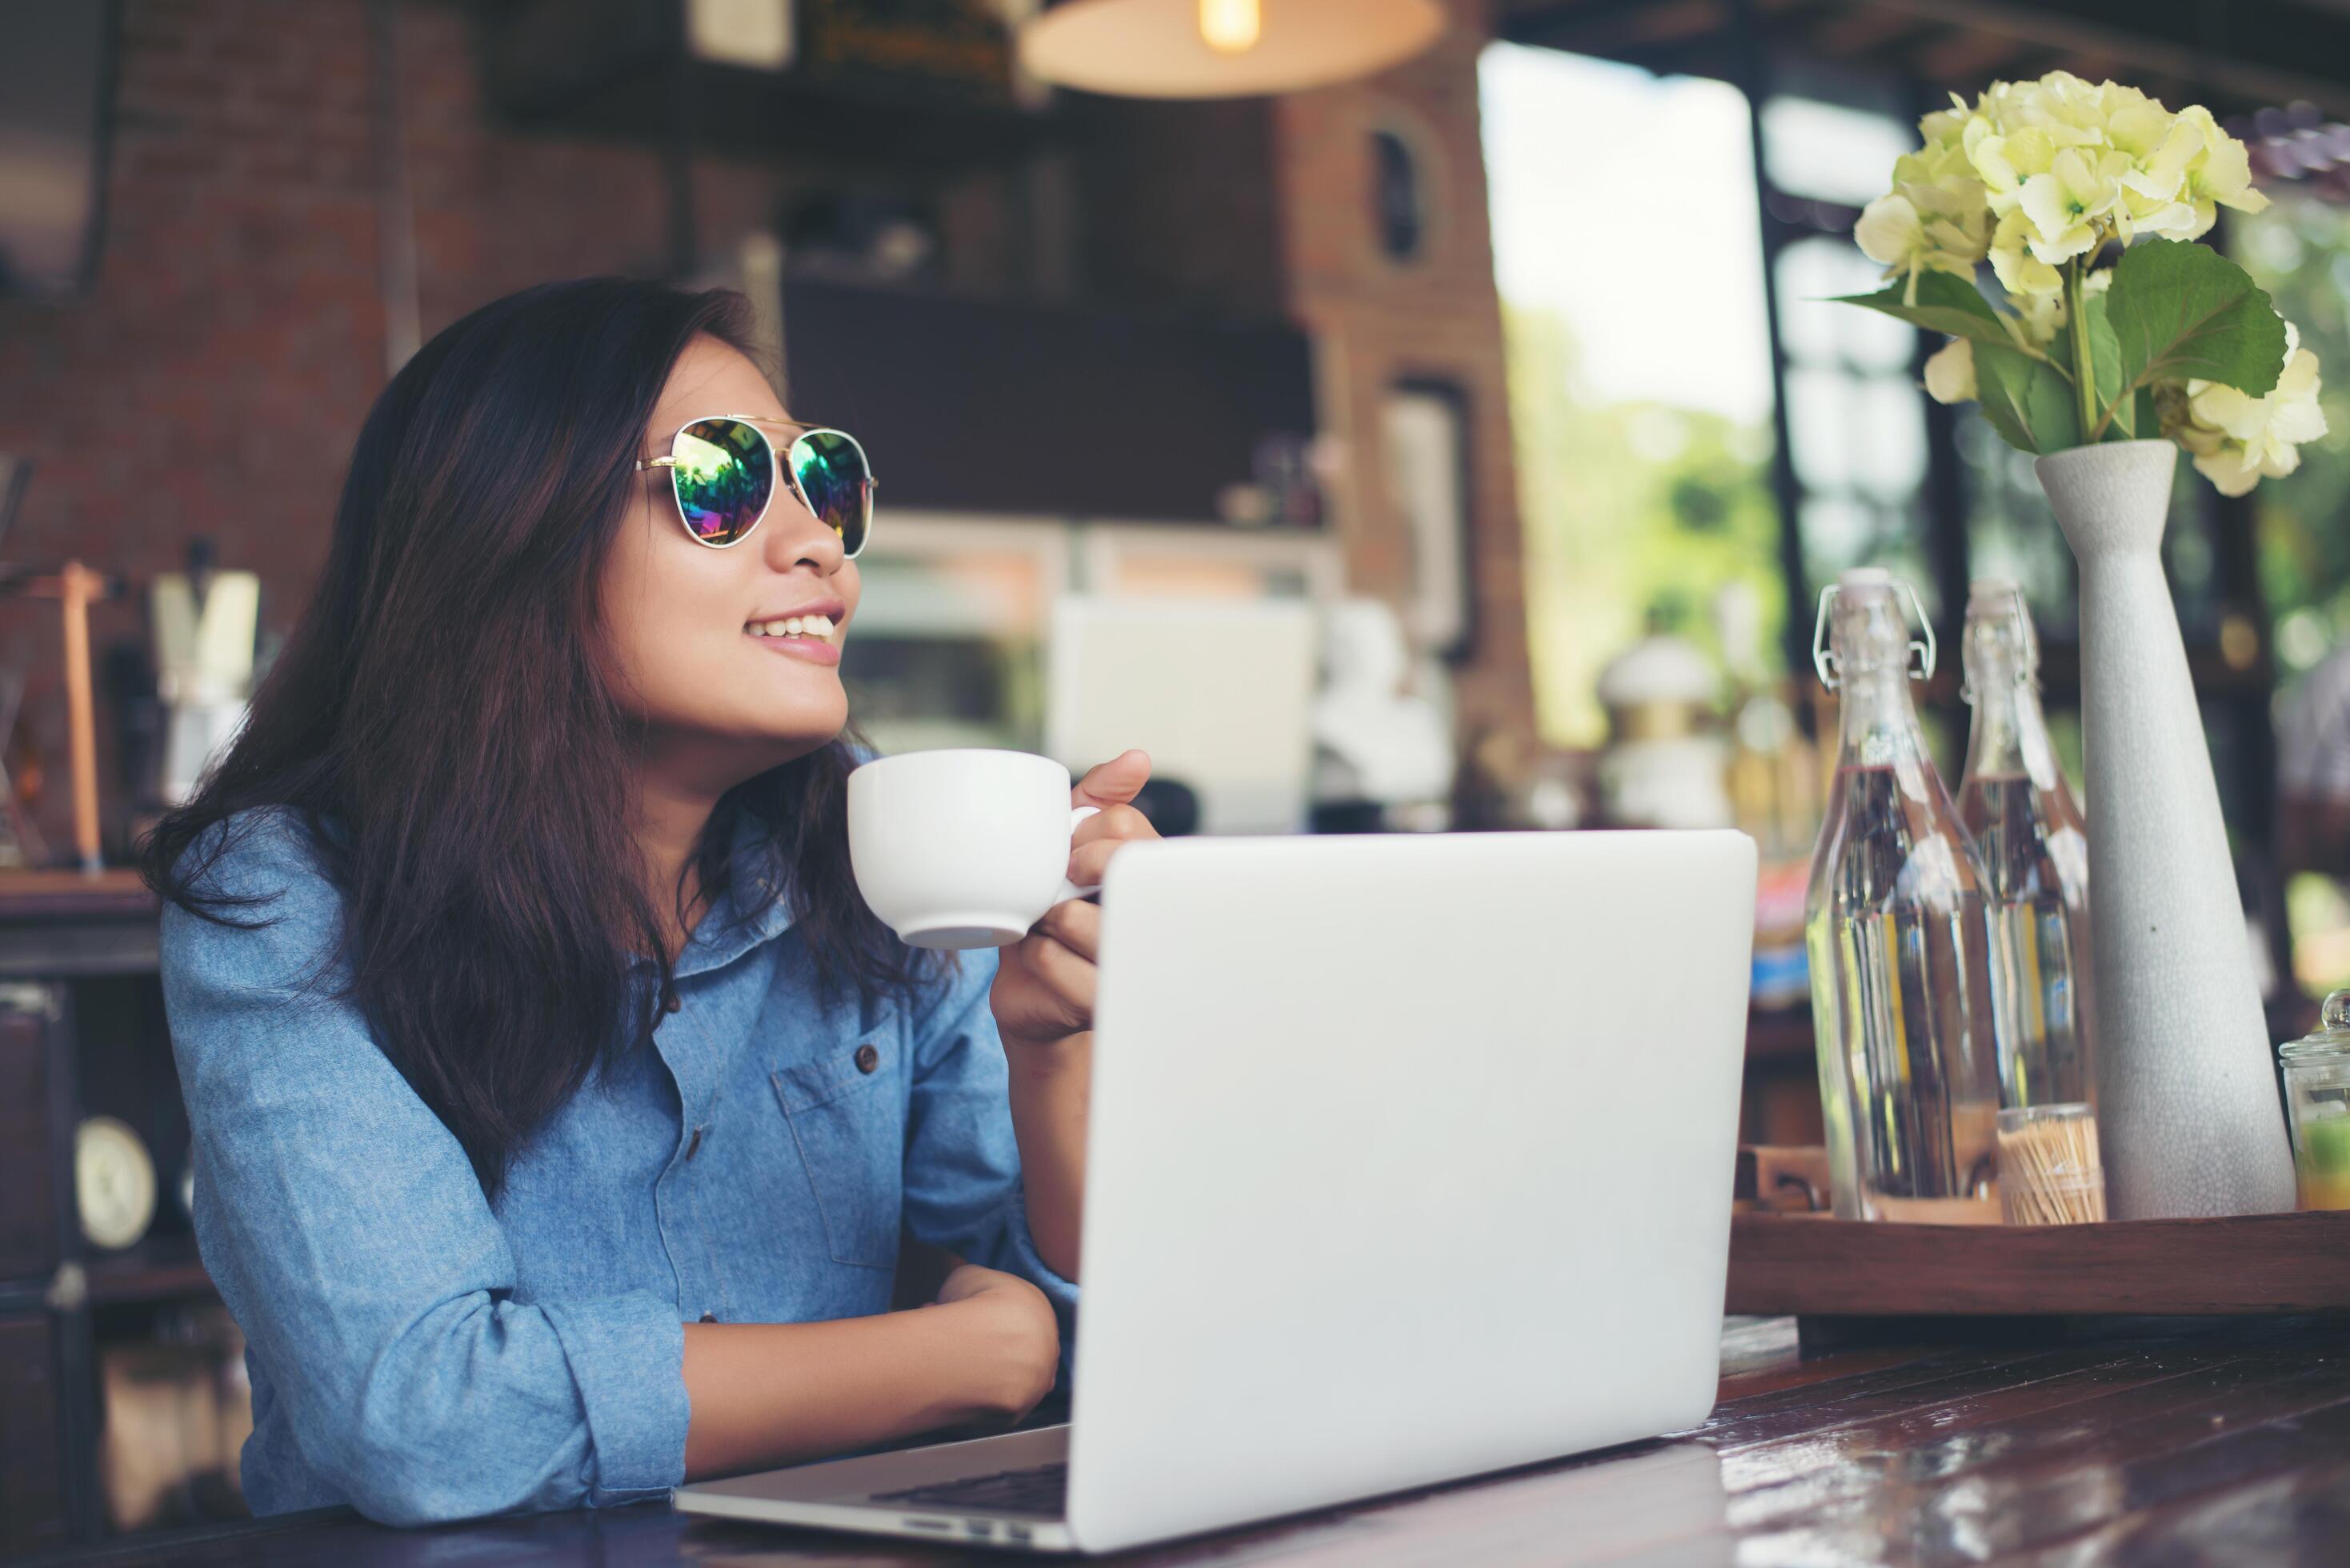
x=2317, y=1102
x=2034, y=848
x=1901, y=1002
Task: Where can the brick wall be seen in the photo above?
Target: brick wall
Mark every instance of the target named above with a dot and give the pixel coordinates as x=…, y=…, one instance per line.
x=212, y=381
x=1437, y=317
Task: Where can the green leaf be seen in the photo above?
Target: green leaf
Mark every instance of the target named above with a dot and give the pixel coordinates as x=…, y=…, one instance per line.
x=1945, y=303
x=2027, y=400
x=2123, y=424
x=2181, y=309
x=2104, y=349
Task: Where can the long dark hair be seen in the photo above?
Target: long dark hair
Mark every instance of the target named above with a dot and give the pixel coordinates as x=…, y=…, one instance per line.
x=442, y=723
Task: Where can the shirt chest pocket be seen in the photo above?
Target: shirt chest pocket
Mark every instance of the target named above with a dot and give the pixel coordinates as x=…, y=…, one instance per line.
x=846, y=1109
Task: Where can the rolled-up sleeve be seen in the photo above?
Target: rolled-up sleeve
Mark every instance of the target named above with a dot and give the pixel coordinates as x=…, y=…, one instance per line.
x=349, y=1235
x=962, y=1162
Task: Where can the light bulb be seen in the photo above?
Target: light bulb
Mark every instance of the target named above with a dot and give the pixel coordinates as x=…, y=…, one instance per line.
x=1230, y=27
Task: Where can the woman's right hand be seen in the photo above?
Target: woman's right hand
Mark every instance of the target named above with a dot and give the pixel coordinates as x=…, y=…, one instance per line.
x=1015, y=1342
x=767, y=1394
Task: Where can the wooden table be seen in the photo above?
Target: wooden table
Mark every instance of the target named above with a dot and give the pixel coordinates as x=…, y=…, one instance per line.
x=2221, y=1442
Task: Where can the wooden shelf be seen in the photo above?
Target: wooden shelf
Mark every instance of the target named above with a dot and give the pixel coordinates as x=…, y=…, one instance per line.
x=167, y=1270
x=73, y=895
x=1813, y=1266
x=1778, y=1033
x=611, y=68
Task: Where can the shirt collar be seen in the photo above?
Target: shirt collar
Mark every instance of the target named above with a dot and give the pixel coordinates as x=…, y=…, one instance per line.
x=757, y=907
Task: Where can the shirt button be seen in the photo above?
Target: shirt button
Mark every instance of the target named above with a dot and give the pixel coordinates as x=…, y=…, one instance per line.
x=867, y=1058
x=693, y=1143
x=709, y=1317
x=674, y=1003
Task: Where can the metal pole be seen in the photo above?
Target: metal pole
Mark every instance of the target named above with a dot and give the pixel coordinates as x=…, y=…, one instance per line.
x=684, y=248
x=1787, y=489
x=395, y=214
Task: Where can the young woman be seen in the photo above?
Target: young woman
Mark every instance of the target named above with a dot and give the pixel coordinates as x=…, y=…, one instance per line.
x=557, y=1104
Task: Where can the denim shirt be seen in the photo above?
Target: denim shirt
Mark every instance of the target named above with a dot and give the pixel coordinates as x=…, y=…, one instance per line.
x=423, y=1353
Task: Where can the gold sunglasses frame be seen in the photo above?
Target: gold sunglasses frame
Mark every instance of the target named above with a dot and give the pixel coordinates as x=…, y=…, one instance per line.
x=783, y=470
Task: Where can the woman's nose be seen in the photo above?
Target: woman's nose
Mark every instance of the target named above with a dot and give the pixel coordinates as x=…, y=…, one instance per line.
x=796, y=536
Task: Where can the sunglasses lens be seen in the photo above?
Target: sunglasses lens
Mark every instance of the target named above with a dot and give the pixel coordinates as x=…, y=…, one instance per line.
x=830, y=471
x=725, y=474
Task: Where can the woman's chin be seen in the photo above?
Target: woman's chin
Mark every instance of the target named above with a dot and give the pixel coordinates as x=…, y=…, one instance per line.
x=804, y=731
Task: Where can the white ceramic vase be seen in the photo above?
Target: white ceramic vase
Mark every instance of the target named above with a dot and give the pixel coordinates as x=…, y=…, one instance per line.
x=2186, y=1100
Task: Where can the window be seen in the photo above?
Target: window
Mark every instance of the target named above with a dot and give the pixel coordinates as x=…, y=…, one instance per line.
x=1639, y=365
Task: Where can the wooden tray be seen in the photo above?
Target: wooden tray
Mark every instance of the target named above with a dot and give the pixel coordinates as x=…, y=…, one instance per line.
x=1817, y=1267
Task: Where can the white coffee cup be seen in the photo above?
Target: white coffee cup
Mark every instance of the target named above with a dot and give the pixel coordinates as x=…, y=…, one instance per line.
x=962, y=848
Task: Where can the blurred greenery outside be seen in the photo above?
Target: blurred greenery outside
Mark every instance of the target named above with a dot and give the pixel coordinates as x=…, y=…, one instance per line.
x=2299, y=250
x=1637, y=515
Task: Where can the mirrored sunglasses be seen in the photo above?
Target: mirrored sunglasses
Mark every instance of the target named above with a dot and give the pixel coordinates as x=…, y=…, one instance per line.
x=722, y=471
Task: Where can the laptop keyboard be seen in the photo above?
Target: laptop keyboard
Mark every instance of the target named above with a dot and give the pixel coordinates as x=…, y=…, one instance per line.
x=1044, y=1489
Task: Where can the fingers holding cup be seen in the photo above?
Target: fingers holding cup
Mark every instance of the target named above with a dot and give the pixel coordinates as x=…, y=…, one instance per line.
x=1114, y=783
x=1074, y=924
x=1100, y=836
x=1043, y=987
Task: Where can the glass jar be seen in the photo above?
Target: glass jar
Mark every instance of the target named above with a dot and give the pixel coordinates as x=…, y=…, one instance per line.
x=2050, y=1170
x=2317, y=1101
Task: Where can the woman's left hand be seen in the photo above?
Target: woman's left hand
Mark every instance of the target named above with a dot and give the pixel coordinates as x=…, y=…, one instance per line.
x=1044, y=987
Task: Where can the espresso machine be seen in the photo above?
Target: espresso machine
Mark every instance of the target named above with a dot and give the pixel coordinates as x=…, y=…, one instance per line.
x=205, y=622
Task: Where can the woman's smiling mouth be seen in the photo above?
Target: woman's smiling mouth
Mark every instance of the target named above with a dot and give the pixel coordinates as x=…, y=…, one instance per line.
x=809, y=637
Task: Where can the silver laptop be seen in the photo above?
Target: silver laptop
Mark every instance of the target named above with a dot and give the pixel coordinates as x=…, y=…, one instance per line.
x=1409, y=1158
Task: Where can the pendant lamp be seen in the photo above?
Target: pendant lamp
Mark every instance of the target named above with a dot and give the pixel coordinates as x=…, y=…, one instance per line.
x=1222, y=48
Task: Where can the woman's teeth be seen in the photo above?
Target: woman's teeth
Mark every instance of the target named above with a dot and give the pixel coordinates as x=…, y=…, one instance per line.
x=815, y=626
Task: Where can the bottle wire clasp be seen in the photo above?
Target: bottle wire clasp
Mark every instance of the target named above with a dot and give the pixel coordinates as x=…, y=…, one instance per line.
x=1823, y=656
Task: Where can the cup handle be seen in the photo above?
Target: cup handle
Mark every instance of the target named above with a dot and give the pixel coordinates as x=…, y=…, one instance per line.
x=1070, y=889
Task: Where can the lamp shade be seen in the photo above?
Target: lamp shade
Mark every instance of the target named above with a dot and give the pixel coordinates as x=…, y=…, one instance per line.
x=1161, y=48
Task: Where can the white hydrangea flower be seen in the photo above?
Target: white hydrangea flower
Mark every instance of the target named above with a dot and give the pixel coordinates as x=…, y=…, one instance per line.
x=2221, y=175
x=1941, y=188
x=2068, y=206
x=1950, y=372
x=1890, y=232
x=2160, y=146
x=2140, y=169
x=2003, y=161
x=2040, y=177
x=2239, y=440
x=2039, y=317
x=2042, y=317
x=2019, y=270
x=1897, y=236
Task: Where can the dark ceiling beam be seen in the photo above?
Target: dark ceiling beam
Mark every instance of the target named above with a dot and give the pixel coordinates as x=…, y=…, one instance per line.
x=2266, y=56
x=2098, y=66
x=2248, y=53
x=1593, y=26
x=1509, y=16
x=1963, y=59
x=1665, y=22
x=1526, y=17
x=2038, y=60
x=1607, y=27
x=1866, y=33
